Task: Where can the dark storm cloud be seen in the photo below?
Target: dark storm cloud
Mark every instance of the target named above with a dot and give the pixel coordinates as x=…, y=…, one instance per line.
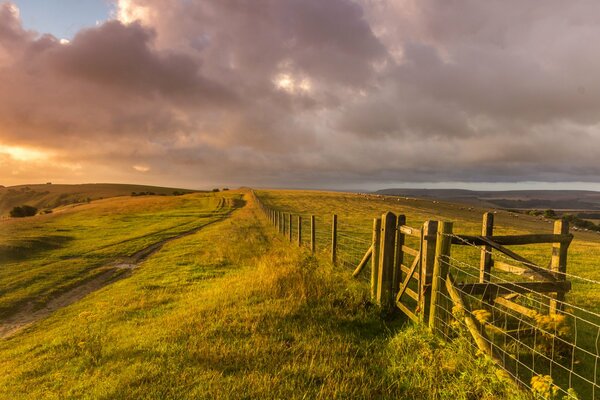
x=312, y=92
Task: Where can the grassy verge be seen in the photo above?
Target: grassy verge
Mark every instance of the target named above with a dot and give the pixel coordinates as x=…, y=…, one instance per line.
x=235, y=312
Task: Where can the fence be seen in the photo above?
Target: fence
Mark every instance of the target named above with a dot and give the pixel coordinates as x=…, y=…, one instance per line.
x=514, y=310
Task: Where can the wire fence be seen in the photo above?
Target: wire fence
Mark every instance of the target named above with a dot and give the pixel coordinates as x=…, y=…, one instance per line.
x=544, y=342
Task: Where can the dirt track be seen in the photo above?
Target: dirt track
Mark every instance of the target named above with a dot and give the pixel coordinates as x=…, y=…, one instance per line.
x=119, y=269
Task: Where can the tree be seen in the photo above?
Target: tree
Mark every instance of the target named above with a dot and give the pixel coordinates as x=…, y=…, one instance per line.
x=23, y=211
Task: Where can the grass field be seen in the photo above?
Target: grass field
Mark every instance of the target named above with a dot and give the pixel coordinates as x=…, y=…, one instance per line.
x=45, y=255
x=50, y=196
x=231, y=311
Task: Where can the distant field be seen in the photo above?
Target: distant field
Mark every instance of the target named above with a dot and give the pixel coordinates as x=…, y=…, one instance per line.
x=50, y=196
x=45, y=255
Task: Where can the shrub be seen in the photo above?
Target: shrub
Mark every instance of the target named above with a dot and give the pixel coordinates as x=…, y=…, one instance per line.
x=23, y=211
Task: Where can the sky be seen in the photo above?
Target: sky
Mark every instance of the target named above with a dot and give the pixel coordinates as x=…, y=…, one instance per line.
x=339, y=94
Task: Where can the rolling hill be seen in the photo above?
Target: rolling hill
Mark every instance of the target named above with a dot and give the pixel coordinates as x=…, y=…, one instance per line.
x=516, y=199
x=48, y=196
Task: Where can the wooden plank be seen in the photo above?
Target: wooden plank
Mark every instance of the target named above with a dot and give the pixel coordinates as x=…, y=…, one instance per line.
x=412, y=294
x=399, y=258
x=443, y=247
x=558, y=263
x=475, y=328
x=495, y=289
x=529, y=264
x=412, y=252
x=334, y=239
x=511, y=305
x=513, y=269
x=385, y=289
x=407, y=230
x=485, y=262
x=313, y=242
x=363, y=262
x=409, y=313
x=430, y=229
x=408, y=277
x=406, y=270
x=508, y=240
x=375, y=256
x=299, y=231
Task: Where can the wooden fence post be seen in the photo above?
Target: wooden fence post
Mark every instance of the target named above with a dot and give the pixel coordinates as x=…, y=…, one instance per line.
x=400, y=237
x=558, y=264
x=334, y=239
x=485, y=264
x=312, y=234
x=428, y=240
x=290, y=227
x=440, y=272
x=277, y=220
x=299, y=231
x=385, y=278
x=375, y=256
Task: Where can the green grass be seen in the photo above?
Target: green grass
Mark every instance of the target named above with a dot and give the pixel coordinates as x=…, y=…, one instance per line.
x=45, y=255
x=355, y=214
x=231, y=312
x=51, y=196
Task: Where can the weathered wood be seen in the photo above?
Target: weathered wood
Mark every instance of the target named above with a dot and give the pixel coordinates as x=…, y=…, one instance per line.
x=496, y=289
x=407, y=278
x=513, y=269
x=399, y=258
x=411, y=251
x=440, y=271
x=407, y=311
x=363, y=262
x=334, y=239
x=477, y=331
x=313, y=228
x=407, y=230
x=558, y=264
x=385, y=276
x=299, y=223
x=412, y=294
x=514, y=240
x=290, y=226
x=529, y=264
x=511, y=305
x=375, y=256
x=429, y=232
x=406, y=270
x=485, y=262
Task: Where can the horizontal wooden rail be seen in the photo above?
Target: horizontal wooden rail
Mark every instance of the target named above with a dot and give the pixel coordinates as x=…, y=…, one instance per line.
x=407, y=230
x=495, y=289
x=406, y=270
x=508, y=240
x=411, y=251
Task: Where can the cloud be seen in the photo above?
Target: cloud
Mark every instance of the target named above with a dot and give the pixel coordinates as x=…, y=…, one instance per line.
x=311, y=93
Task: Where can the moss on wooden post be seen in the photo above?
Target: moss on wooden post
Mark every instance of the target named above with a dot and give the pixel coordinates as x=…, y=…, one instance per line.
x=375, y=256
x=385, y=275
x=440, y=272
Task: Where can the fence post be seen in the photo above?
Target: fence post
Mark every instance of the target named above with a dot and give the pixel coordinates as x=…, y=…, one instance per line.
x=399, y=260
x=276, y=220
x=485, y=264
x=312, y=234
x=375, y=256
x=299, y=231
x=428, y=240
x=558, y=264
x=440, y=272
x=334, y=239
x=385, y=278
x=290, y=226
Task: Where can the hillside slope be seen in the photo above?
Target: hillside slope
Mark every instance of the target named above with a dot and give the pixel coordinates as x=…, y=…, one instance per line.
x=51, y=195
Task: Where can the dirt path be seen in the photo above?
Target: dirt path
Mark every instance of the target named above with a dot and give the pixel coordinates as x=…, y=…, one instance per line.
x=119, y=269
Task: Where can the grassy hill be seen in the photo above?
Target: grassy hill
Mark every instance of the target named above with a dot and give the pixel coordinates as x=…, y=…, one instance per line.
x=229, y=311
x=515, y=199
x=48, y=196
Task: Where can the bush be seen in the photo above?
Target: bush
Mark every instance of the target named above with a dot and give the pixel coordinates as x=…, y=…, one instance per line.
x=23, y=211
x=215, y=190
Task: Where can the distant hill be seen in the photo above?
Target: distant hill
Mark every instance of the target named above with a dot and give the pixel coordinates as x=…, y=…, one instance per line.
x=512, y=199
x=48, y=196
